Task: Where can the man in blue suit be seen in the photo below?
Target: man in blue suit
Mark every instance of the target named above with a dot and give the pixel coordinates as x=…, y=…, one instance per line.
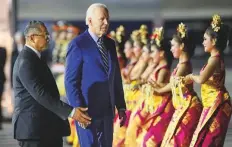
x=93, y=81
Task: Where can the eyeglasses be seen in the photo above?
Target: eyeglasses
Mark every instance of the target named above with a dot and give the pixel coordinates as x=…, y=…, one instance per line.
x=46, y=36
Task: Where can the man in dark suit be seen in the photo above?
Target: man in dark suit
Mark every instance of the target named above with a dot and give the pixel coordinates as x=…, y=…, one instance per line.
x=93, y=81
x=40, y=117
x=2, y=78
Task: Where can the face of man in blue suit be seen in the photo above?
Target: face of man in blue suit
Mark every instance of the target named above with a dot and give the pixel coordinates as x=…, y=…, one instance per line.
x=98, y=21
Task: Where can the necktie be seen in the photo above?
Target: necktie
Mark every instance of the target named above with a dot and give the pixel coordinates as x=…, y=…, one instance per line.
x=104, y=54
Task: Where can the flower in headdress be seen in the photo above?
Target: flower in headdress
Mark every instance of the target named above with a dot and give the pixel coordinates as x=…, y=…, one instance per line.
x=182, y=30
x=120, y=33
x=153, y=36
x=143, y=27
x=143, y=34
x=121, y=28
x=112, y=35
x=143, y=30
x=135, y=35
x=215, y=24
x=157, y=36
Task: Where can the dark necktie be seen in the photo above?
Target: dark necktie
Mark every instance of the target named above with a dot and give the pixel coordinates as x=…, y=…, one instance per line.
x=104, y=54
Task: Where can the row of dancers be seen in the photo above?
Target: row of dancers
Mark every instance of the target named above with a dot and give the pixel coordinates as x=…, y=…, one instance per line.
x=163, y=108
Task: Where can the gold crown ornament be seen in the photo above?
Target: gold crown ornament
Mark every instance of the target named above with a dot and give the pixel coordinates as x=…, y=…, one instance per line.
x=216, y=22
x=157, y=36
x=182, y=30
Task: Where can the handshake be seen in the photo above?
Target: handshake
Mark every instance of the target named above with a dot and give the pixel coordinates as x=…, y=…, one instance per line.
x=81, y=116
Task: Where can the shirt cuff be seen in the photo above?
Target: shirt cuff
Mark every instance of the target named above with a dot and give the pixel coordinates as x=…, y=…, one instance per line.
x=72, y=113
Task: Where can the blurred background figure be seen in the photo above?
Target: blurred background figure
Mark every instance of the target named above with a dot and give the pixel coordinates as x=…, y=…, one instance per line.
x=19, y=42
x=120, y=41
x=62, y=45
x=70, y=33
x=60, y=42
x=58, y=56
x=2, y=79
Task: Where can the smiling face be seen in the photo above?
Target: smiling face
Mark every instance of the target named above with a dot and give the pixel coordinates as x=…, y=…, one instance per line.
x=155, y=55
x=208, y=43
x=175, y=48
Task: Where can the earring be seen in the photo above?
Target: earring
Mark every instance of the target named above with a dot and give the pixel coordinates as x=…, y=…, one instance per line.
x=214, y=42
x=161, y=55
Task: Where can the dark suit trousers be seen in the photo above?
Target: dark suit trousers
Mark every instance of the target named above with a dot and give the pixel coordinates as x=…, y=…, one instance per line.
x=41, y=143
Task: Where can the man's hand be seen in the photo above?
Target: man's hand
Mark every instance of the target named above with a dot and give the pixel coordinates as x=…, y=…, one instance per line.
x=122, y=117
x=82, y=117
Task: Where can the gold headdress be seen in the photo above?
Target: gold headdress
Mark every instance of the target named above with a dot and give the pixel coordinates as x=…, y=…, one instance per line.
x=216, y=22
x=182, y=30
x=157, y=36
x=135, y=35
x=143, y=27
x=120, y=32
x=143, y=34
x=121, y=28
x=112, y=35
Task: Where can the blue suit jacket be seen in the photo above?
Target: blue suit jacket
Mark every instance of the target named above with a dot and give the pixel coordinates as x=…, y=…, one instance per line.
x=87, y=83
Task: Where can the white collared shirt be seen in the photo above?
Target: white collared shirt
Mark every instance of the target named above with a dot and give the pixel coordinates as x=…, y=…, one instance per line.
x=94, y=36
x=37, y=52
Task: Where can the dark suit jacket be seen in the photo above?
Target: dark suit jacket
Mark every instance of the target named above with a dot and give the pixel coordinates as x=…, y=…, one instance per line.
x=2, y=65
x=14, y=56
x=87, y=83
x=38, y=110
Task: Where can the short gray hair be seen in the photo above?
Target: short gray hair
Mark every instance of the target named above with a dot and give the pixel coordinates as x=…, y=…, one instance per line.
x=33, y=27
x=91, y=9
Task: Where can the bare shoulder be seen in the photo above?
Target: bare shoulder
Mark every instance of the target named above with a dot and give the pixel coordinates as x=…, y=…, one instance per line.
x=183, y=66
x=183, y=69
x=213, y=60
